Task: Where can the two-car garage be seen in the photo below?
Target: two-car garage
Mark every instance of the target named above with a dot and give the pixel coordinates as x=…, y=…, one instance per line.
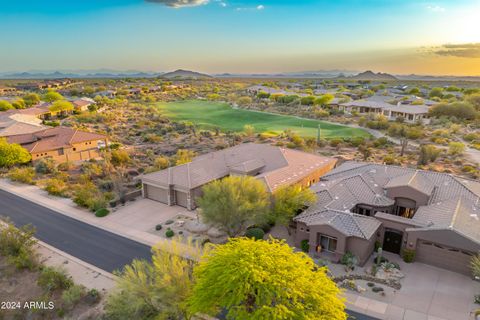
x=443, y=256
x=179, y=198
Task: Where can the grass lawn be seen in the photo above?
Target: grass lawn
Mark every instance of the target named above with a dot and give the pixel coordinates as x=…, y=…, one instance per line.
x=208, y=115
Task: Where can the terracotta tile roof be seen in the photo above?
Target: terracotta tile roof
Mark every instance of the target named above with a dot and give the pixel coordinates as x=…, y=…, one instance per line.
x=53, y=139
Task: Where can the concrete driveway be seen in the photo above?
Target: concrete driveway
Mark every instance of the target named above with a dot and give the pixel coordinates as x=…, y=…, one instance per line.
x=427, y=293
x=144, y=214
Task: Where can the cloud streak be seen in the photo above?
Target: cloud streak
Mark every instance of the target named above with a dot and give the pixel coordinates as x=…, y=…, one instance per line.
x=465, y=50
x=180, y=3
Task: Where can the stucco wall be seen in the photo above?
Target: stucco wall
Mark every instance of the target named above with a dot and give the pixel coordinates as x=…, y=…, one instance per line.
x=408, y=193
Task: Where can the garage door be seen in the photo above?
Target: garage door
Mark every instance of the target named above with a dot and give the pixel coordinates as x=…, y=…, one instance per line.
x=155, y=193
x=444, y=257
x=181, y=198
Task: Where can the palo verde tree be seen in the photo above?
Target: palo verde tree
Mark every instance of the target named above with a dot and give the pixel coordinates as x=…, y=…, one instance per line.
x=234, y=202
x=288, y=201
x=12, y=154
x=257, y=279
x=157, y=289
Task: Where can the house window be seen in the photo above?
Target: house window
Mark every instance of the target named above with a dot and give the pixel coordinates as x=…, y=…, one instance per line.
x=328, y=244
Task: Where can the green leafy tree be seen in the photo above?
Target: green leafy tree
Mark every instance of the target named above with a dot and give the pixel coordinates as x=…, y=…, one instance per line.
x=288, y=201
x=5, y=105
x=256, y=279
x=234, y=202
x=157, y=289
x=52, y=96
x=61, y=106
x=436, y=93
x=459, y=110
x=12, y=154
x=324, y=99
x=19, y=104
x=474, y=100
x=31, y=99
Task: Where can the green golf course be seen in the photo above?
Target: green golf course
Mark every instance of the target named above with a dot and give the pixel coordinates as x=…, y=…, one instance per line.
x=209, y=115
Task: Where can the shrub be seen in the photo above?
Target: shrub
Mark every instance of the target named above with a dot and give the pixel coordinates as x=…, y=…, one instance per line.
x=377, y=289
x=255, y=233
x=92, y=297
x=72, y=296
x=408, y=255
x=169, y=233
x=349, y=260
x=370, y=284
x=55, y=187
x=169, y=222
x=158, y=227
x=45, y=166
x=17, y=245
x=120, y=157
x=305, y=245
x=23, y=175
x=52, y=279
x=100, y=213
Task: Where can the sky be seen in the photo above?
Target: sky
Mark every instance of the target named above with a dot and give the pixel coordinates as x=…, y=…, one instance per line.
x=242, y=36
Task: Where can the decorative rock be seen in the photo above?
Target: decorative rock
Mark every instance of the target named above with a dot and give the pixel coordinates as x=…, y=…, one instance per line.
x=196, y=227
x=215, y=233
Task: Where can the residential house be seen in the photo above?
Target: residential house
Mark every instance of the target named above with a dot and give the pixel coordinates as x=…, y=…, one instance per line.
x=274, y=166
x=82, y=104
x=7, y=90
x=435, y=215
x=13, y=122
x=61, y=144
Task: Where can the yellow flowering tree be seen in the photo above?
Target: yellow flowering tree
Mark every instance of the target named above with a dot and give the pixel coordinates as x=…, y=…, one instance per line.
x=252, y=279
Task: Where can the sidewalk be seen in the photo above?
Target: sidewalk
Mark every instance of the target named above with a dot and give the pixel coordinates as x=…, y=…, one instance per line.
x=81, y=272
x=70, y=209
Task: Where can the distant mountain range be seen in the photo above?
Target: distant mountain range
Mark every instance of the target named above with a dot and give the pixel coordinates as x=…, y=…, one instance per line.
x=371, y=76
x=188, y=74
x=78, y=74
x=185, y=74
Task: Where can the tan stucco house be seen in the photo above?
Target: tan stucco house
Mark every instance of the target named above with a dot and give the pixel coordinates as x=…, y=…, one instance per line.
x=436, y=215
x=61, y=144
x=275, y=166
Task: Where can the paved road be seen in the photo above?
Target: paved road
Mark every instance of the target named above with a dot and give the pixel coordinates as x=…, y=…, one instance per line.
x=98, y=247
x=358, y=316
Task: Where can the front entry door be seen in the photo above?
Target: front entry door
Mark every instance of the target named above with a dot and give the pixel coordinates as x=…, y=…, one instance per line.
x=392, y=241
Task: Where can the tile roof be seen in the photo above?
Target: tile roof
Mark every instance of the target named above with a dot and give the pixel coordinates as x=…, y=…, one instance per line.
x=454, y=202
x=350, y=224
x=53, y=139
x=275, y=166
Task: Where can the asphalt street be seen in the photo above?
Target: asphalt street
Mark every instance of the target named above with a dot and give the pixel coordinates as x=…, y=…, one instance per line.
x=96, y=246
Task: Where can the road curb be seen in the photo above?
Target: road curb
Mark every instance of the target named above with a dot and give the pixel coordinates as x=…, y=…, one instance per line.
x=4, y=186
x=87, y=265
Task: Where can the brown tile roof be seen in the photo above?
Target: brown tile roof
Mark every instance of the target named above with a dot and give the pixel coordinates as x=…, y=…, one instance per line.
x=350, y=224
x=454, y=202
x=275, y=166
x=53, y=139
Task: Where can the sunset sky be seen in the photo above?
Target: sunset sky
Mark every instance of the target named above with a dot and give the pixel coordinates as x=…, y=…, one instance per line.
x=400, y=37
